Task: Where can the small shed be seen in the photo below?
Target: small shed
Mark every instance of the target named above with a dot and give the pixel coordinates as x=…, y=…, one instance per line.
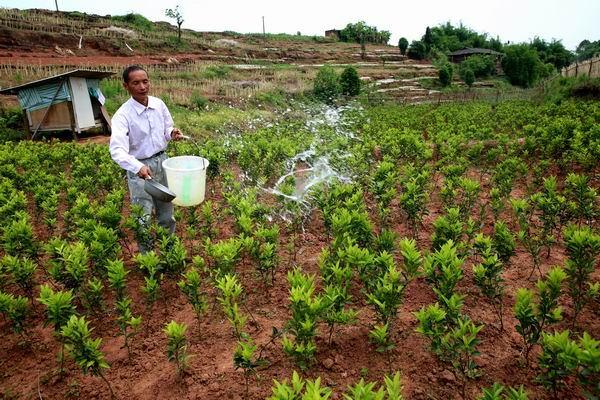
x=461, y=55
x=69, y=101
x=333, y=33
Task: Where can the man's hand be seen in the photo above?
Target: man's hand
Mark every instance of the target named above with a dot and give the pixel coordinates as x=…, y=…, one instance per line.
x=176, y=134
x=144, y=172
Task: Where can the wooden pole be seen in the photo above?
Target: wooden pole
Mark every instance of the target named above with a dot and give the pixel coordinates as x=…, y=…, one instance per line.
x=48, y=109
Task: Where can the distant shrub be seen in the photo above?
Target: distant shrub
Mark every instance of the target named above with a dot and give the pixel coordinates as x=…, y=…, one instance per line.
x=402, y=45
x=136, y=20
x=216, y=72
x=11, y=125
x=445, y=74
x=481, y=66
x=417, y=50
x=275, y=98
x=198, y=101
x=562, y=88
x=361, y=32
x=327, y=85
x=350, y=82
x=469, y=77
x=77, y=15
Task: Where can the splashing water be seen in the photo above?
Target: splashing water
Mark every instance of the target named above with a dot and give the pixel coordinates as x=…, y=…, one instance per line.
x=319, y=168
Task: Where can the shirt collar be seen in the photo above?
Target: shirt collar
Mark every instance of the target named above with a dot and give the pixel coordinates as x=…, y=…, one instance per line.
x=139, y=108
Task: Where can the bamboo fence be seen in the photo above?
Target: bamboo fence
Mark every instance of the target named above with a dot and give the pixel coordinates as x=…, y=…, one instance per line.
x=590, y=68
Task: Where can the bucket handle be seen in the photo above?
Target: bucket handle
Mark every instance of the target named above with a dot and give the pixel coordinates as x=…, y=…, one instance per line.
x=189, y=138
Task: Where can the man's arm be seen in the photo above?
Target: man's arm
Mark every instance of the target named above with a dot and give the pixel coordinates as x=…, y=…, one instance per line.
x=119, y=145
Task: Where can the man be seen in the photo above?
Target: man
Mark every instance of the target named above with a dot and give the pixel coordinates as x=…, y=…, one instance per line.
x=141, y=130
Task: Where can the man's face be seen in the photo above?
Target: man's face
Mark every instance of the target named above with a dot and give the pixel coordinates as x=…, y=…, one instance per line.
x=138, y=85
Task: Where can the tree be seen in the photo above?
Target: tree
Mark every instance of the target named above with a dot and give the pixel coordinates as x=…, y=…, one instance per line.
x=428, y=39
x=176, y=14
x=350, y=82
x=417, y=50
x=521, y=64
x=587, y=49
x=361, y=31
x=403, y=45
x=553, y=53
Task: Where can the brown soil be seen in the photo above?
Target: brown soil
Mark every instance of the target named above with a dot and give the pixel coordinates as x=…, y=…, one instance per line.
x=29, y=364
x=36, y=48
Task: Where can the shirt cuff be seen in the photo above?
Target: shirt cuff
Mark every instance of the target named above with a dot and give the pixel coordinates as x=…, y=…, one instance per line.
x=168, y=135
x=137, y=165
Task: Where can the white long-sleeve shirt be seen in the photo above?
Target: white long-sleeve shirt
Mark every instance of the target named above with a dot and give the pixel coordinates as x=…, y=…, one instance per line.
x=139, y=132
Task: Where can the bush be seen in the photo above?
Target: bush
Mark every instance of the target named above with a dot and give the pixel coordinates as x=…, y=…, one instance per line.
x=417, y=50
x=350, y=82
x=402, y=45
x=137, y=20
x=327, y=85
x=481, y=66
x=445, y=75
x=197, y=101
x=562, y=88
x=216, y=72
x=521, y=65
x=11, y=125
x=469, y=77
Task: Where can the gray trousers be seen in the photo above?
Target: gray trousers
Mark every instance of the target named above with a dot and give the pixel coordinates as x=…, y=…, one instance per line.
x=164, y=211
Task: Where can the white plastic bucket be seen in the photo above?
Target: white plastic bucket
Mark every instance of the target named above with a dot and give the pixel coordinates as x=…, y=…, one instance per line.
x=186, y=177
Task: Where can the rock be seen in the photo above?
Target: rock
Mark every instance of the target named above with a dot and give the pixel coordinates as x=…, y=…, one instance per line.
x=328, y=363
x=227, y=43
x=447, y=376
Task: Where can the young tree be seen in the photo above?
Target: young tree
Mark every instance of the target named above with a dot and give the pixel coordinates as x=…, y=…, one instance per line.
x=176, y=14
x=85, y=350
x=403, y=45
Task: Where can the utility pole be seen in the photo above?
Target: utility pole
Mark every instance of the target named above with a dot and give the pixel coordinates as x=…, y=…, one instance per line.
x=263, y=19
x=56, y=4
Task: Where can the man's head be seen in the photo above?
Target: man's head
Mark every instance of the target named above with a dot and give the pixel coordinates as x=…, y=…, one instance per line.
x=136, y=82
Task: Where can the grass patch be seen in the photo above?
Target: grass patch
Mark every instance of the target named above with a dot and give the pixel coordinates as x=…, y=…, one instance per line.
x=137, y=21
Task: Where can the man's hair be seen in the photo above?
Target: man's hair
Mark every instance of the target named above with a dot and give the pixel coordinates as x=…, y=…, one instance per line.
x=129, y=70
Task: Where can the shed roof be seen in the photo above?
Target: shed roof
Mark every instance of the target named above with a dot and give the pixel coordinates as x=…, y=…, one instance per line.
x=474, y=50
x=80, y=73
